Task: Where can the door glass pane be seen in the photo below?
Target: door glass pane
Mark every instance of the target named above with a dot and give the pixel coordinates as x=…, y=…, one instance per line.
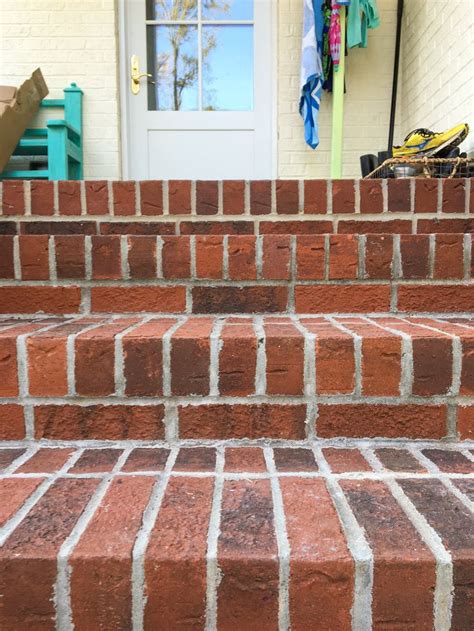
x=227, y=67
x=171, y=9
x=227, y=9
x=173, y=62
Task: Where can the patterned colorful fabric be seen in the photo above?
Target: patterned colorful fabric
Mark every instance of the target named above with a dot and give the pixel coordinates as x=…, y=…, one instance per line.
x=335, y=31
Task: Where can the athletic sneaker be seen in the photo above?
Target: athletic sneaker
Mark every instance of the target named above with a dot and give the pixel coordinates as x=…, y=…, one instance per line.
x=425, y=142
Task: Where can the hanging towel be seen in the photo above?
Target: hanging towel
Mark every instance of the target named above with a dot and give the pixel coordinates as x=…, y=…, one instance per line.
x=335, y=31
x=363, y=14
x=311, y=81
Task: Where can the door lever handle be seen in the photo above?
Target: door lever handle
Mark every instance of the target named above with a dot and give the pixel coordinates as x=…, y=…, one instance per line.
x=136, y=75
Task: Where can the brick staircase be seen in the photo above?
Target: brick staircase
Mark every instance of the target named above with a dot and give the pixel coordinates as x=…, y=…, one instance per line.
x=230, y=404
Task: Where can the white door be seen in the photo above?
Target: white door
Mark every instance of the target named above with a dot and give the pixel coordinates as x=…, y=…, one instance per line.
x=207, y=112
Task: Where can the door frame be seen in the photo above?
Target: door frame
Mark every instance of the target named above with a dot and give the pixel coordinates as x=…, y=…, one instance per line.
x=124, y=85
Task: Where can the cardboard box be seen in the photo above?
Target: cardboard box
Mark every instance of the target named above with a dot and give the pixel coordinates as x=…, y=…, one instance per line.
x=17, y=108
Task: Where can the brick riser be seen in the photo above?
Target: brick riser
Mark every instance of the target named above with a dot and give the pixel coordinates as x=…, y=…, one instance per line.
x=214, y=379
x=242, y=538
x=226, y=274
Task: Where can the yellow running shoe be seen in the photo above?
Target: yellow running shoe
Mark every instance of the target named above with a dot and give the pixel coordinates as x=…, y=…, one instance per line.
x=427, y=143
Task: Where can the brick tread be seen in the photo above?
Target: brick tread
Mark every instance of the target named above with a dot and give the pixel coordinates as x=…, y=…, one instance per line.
x=166, y=534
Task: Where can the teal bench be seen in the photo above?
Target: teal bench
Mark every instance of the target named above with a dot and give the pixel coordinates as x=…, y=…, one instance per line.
x=60, y=141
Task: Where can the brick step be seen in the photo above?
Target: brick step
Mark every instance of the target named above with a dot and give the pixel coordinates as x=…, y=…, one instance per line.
x=238, y=537
x=226, y=274
x=142, y=378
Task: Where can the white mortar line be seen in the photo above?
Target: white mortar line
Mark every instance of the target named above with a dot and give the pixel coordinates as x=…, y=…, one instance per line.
x=83, y=199
x=53, y=275
x=20, y=460
x=27, y=197
x=225, y=257
x=119, y=363
x=141, y=543
x=220, y=197
x=192, y=254
x=259, y=256
x=357, y=353
x=166, y=348
x=110, y=198
x=55, y=199
x=88, y=257
x=431, y=255
x=261, y=367
x=165, y=197
x=193, y=197
x=16, y=257
x=71, y=355
x=213, y=576
x=215, y=349
x=300, y=197
x=124, y=264
x=282, y=544
x=159, y=257
x=247, y=198
x=138, y=199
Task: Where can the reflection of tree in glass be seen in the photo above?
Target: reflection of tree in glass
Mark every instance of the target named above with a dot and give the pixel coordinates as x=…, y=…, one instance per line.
x=183, y=67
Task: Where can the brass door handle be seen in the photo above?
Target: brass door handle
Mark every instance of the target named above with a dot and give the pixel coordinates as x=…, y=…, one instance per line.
x=136, y=75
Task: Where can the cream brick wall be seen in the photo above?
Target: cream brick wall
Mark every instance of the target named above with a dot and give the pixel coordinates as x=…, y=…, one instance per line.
x=71, y=40
x=367, y=102
x=438, y=65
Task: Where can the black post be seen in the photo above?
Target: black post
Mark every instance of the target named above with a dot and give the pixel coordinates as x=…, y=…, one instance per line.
x=396, y=64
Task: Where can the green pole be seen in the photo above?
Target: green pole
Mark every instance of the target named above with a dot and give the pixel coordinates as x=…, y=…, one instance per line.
x=338, y=106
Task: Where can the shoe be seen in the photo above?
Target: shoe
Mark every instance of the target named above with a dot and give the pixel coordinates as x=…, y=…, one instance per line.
x=424, y=142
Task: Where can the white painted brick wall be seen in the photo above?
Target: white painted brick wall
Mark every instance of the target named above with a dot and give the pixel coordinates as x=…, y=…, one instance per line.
x=71, y=40
x=438, y=66
x=367, y=102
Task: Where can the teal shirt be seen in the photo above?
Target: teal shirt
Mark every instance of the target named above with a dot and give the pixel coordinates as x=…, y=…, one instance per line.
x=362, y=15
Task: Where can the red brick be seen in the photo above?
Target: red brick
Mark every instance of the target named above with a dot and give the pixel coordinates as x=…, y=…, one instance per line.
x=378, y=256
x=42, y=197
x=195, y=459
x=99, y=422
x=175, y=562
x=38, y=299
x=46, y=461
x=8, y=457
x=142, y=257
x=321, y=567
x=381, y=365
x=243, y=459
x=426, y=195
x=106, y=258
x=380, y=420
x=310, y=257
x=342, y=460
x=342, y=298
x=190, y=357
x=447, y=298
x=143, y=358
x=296, y=226
x=13, y=197
x=452, y=520
x=465, y=422
x=392, y=226
x=251, y=299
x=146, y=459
x=238, y=360
x=137, y=227
x=69, y=197
x=7, y=269
x=222, y=421
x=233, y=197
x=13, y=493
x=70, y=256
x=414, y=251
x=287, y=197
x=343, y=257
x=97, y=197
x=12, y=422
x=315, y=197
x=432, y=365
x=248, y=557
x=399, y=195
x=449, y=256
x=294, y=460
x=151, y=197
x=207, y=201
x=260, y=197
x=34, y=257
x=276, y=257
x=58, y=227
x=371, y=196
x=123, y=198
x=395, y=565
x=449, y=460
x=179, y=195
x=101, y=564
x=343, y=196
x=209, y=256
x=445, y=225
x=454, y=195
x=96, y=461
x=242, y=258
x=394, y=459
x=95, y=359
x=9, y=227
x=28, y=560
x=133, y=299
x=176, y=257
x=217, y=227
x=284, y=347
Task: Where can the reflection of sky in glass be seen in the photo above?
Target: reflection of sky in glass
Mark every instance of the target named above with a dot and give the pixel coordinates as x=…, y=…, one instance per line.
x=176, y=67
x=227, y=10
x=228, y=68
x=171, y=9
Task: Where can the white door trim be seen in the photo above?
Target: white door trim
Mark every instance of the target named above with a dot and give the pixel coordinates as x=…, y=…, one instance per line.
x=124, y=86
